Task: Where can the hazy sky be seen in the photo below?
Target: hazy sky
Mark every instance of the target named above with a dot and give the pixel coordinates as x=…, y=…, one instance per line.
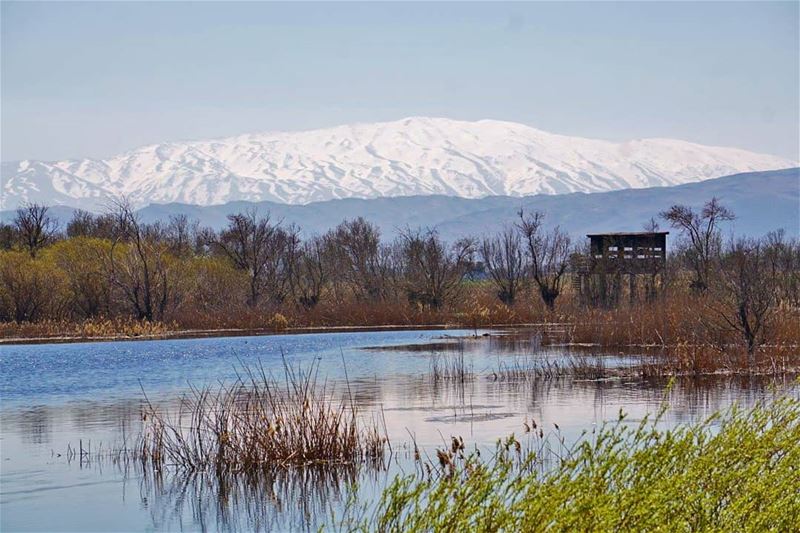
x=96, y=79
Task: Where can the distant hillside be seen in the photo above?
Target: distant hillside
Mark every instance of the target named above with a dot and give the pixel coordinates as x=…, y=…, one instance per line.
x=762, y=201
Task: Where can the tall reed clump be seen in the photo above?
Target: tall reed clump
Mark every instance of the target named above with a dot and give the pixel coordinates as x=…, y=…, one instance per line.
x=260, y=422
x=737, y=471
x=690, y=336
x=450, y=367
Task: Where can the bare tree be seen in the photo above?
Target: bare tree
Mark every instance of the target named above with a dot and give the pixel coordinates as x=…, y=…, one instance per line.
x=35, y=228
x=433, y=272
x=361, y=261
x=85, y=224
x=703, y=233
x=138, y=265
x=280, y=263
x=504, y=260
x=548, y=255
x=310, y=270
x=783, y=259
x=179, y=234
x=651, y=226
x=81, y=224
x=745, y=292
x=256, y=245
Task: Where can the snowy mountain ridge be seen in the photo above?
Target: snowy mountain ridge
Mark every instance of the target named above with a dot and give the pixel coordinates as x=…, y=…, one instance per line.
x=413, y=156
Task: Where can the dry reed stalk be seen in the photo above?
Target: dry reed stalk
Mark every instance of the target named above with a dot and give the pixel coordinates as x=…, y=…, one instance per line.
x=450, y=367
x=258, y=423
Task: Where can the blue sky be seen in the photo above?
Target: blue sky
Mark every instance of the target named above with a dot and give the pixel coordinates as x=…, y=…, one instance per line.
x=96, y=79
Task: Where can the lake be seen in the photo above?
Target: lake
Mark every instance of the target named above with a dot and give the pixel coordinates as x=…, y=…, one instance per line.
x=59, y=397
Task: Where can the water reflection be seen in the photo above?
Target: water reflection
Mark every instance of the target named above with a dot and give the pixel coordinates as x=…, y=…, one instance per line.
x=35, y=425
x=262, y=501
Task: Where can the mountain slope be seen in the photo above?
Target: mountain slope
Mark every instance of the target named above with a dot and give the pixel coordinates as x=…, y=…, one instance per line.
x=415, y=156
x=762, y=201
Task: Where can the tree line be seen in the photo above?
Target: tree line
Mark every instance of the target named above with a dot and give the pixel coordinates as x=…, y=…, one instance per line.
x=113, y=264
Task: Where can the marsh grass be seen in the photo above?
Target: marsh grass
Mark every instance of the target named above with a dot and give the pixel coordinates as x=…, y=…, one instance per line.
x=260, y=422
x=684, y=332
x=539, y=367
x=736, y=471
x=450, y=367
x=94, y=328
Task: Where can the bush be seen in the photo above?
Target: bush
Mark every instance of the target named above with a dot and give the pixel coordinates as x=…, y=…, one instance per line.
x=30, y=289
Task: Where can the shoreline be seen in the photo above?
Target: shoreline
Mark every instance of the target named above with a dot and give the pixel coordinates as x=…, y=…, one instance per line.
x=250, y=332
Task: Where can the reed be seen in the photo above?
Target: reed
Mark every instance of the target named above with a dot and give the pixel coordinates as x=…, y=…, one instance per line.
x=450, y=367
x=736, y=471
x=95, y=328
x=259, y=422
x=541, y=367
x=679, y=334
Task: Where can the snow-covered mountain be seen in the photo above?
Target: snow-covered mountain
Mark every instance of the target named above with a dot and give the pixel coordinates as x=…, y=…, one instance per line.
x=414, y=156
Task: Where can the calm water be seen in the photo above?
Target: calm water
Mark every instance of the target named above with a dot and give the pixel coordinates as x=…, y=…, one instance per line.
x=55, y=396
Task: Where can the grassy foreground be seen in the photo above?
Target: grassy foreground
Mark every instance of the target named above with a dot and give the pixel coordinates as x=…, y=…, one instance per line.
x=737, y=471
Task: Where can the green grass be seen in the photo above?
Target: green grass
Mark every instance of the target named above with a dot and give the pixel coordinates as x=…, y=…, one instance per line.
x=736, y=471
